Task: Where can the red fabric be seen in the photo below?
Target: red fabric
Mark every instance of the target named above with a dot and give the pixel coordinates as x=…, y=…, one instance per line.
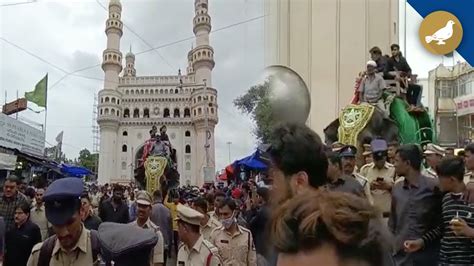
x=223, y=177
x=146, y=150
x=236, y=193
x=355, y=98
x=229, y=169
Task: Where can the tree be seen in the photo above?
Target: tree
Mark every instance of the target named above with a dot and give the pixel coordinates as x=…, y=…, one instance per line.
x=88, y=160
x=255, y=102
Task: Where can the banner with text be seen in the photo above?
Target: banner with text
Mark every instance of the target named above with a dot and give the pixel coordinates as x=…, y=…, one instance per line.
x=15, y=134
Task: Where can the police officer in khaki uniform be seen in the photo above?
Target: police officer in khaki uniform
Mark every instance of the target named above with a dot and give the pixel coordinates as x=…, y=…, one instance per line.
x=144, y=203
x=234, y=242
x=208, y=223
x=381, y=176
x=339, y=182
x=72, y=243
x=348, y=162
x=367, y=154
x=433, y=155
x=194, y=250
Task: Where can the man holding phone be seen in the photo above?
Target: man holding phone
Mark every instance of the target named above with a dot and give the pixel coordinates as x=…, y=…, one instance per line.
x=381, y=176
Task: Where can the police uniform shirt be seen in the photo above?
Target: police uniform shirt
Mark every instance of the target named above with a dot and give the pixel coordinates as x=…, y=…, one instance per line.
x=365, y=184
x=158, y=250
x=213, y=214
x=237, y=249
x=203, y=253
x=80, y=255
x=206, y=230
x=429, y=172
x=382, y=198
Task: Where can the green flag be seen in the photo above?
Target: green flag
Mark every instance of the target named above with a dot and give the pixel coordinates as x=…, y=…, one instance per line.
x=38, y=96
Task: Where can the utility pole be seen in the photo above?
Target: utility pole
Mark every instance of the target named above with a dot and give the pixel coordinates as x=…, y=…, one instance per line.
x=228, y=145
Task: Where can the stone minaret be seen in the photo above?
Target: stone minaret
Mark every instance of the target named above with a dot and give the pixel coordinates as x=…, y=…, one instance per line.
x=204, y=99
x=109, y=103
x=129, y=70
x=203, y=54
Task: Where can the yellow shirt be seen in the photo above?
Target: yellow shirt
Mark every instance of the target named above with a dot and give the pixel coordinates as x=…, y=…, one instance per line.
x=80, y=255
x=174, y=212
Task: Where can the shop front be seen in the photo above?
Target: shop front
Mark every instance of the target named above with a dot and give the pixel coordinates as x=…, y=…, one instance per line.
x=465, y=114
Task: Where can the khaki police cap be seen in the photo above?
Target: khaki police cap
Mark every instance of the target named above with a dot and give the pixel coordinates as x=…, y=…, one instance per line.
x=434, y=149
x=336, y=146
x=144, y=198
x=188, y=215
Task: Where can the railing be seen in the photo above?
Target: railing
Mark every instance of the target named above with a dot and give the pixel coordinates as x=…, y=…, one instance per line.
x=156, y=80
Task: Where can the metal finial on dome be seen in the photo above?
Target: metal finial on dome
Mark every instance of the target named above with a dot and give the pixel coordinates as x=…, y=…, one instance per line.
x=130, y=53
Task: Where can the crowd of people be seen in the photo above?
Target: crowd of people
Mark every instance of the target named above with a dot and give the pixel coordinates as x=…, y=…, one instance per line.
x=237, y=211
x=402, y=206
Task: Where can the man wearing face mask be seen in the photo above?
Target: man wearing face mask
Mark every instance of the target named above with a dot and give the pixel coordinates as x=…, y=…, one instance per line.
x=115, y=209
x=235, y=243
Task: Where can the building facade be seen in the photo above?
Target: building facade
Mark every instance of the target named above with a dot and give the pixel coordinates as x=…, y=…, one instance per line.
x=327, y=43
x=451, y=93
x=129, y=105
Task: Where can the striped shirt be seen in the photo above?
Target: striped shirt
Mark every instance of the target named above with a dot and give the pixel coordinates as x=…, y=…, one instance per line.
x=454, y=249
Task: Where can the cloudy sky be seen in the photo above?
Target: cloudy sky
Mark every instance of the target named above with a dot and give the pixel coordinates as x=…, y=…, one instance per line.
x=69, y=35
x=62, y=36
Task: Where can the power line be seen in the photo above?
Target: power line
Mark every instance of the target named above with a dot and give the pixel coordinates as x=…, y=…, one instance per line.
x=139, y=37
x=73, y=73
x=162, y=46
x=183, y=40
x=35, y=56
x=193, y=37
x=19, y=3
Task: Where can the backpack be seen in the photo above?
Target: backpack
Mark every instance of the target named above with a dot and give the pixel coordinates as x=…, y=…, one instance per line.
x=46, y=250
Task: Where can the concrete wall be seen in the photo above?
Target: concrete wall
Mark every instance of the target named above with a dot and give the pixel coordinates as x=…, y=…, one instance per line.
x=327, y=43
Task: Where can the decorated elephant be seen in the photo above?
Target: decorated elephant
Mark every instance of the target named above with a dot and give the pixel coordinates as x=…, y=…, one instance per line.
x=362, y=123
x=157, y=167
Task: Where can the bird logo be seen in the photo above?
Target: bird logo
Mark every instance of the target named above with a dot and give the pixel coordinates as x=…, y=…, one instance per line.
x=441, y=32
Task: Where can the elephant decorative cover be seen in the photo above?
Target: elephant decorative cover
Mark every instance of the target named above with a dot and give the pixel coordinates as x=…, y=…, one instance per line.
x=353, y=119
x=154, y=168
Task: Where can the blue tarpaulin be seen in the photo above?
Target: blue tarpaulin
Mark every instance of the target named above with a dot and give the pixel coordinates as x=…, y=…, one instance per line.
x=253, y=162
x=74, y=171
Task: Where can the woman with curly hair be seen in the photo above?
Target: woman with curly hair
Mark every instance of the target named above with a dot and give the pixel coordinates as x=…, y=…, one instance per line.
x=329, y=228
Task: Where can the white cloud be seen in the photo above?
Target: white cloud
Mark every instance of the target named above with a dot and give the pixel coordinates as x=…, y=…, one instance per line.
x=70, y=34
